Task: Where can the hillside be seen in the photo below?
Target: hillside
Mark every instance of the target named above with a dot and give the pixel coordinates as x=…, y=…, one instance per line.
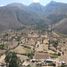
x=62, y=26
x=36, y=16
x=56, y=11
x=14, y=16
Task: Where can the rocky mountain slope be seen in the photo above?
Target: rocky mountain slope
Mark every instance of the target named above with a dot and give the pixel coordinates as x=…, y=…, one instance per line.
x=37, y=16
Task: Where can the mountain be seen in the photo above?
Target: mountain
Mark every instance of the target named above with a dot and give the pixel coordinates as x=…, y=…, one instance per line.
x=55, y=7
x=17, y=16
x=36, y=16
x=61, y=27
x=36, y=7
x=56, y=11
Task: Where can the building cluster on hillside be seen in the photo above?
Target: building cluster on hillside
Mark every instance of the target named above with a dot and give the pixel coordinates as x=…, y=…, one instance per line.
x=45, y=53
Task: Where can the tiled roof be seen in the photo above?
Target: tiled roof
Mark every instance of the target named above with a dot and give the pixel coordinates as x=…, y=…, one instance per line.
x=41, y=55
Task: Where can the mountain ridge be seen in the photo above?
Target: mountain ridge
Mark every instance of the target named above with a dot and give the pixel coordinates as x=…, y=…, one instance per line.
x=17, y=15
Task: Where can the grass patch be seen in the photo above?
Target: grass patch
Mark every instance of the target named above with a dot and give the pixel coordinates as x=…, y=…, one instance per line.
x=54, y=55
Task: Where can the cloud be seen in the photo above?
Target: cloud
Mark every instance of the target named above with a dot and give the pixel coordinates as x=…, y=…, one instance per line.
x=36, y=1
x=1, y=5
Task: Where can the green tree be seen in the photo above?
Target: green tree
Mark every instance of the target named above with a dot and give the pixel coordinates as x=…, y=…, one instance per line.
x=30, y=55
x=2, y=46
x=63, y=65
x=12, y=60
x=55, y=44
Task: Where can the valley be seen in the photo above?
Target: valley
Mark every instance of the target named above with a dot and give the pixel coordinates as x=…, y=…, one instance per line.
x=33, y=35
x=39, y=49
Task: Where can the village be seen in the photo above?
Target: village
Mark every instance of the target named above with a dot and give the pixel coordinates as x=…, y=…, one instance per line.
x=33, y=49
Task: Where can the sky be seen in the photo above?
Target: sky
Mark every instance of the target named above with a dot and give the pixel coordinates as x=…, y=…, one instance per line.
x=27, y=2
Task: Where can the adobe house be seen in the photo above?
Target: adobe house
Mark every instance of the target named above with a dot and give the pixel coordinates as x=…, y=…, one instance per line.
x=41, y=56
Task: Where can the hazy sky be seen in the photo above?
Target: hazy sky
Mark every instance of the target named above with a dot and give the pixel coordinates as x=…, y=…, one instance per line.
x=27, y=2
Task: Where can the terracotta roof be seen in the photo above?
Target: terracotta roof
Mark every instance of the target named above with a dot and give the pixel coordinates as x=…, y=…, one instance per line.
x=41, y=55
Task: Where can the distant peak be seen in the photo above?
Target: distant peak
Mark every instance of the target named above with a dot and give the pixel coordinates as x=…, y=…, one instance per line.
x=15, y=4
x=35, y=4
x=53, y=1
